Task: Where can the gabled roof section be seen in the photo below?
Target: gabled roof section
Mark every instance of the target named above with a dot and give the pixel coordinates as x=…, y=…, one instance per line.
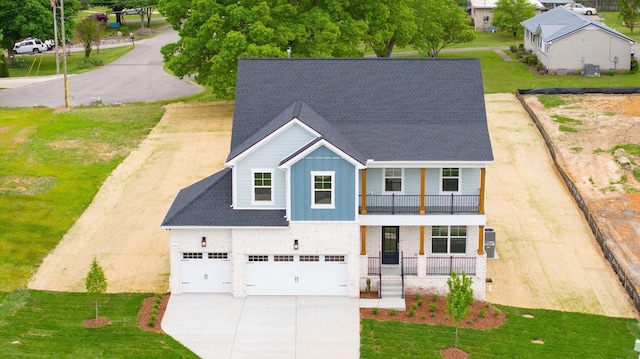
x=560, y=22
x=207, y=203
x=371, y=109
x=302, y=112
x=312, y=146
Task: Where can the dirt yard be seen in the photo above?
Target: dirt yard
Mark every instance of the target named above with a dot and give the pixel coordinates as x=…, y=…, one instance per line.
x=548, y=257
x=121, y=227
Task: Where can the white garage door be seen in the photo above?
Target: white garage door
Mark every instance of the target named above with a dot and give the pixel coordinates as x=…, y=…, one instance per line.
x=205, y=272
x=296, y=275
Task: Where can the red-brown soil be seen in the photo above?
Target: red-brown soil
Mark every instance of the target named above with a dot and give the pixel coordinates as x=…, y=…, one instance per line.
x=95, y=322
x=482, y=315
x=145, y=313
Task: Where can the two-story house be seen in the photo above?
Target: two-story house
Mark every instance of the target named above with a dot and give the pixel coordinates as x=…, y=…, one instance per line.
x=341, y=170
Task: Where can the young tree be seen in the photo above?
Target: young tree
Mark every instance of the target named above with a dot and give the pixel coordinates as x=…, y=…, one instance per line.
x=441, y=23
x=96, y=282
x=629, y=12
x=508, y=14
x=459, y=298
x=89, y=30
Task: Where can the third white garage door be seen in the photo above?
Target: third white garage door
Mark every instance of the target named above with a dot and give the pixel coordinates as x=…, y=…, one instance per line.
x=296, y=275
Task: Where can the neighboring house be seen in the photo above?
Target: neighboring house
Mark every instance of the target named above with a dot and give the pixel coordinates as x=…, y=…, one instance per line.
x=565, y=41
x=552, y=4
x=481, y=12
x=338, y=169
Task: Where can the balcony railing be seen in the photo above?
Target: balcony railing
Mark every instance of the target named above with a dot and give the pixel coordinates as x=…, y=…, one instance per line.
x=410, y=265
x=410, y=204
x=444, y=265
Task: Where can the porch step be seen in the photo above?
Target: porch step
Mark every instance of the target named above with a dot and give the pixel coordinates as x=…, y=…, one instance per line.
x=391, y=289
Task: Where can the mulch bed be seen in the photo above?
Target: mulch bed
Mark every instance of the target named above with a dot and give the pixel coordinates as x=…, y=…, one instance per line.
x=482, y=316
x=95, y=322
x=145, y=313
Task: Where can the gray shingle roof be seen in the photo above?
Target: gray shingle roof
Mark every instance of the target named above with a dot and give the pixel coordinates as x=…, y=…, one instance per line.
x=560, y=22
x=381, y=109
x=207, y=203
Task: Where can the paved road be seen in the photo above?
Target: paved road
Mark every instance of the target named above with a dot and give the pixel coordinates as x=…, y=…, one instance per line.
x=137, y=76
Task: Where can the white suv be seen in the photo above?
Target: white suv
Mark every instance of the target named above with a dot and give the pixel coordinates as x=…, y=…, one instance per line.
x=29, y=46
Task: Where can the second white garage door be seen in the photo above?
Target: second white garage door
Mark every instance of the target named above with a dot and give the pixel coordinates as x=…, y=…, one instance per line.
x=296, y=275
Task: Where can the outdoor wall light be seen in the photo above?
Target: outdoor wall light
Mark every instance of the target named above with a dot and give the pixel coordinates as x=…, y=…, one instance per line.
x=204, y=242
x=295, y=244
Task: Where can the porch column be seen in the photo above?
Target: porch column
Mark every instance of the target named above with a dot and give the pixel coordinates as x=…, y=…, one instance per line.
x=482, y=184
x=421, y=240
x=363, y=240
x=363, y=187
x=422, y=175
x=481, y=241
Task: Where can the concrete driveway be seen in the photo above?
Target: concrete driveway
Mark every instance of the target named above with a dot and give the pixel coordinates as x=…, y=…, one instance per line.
x=220, y=326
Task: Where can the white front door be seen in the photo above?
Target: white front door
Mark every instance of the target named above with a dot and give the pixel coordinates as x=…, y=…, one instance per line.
x=296, y=275
x=205, y=272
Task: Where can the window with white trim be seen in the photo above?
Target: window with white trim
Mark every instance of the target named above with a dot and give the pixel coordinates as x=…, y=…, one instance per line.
x=262, y=187
x=322, y=189
x=448, y=239
x=450, y=180
x=393, y=179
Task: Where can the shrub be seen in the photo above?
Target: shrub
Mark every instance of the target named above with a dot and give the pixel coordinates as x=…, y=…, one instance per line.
x=419, y=302
x=513, y=48
x=540, y=67
x=4, y=66
x=435, y=297
x=418, y=296
x=634, y=65
x=496, y=311
x=368, y=285
x=411, y=312
x=532, y=60
x=521, y=46
x=482, y=313
x=414, y=306
x=519, y=54
x=433, y=307
x=375, y=310
x=392, y=312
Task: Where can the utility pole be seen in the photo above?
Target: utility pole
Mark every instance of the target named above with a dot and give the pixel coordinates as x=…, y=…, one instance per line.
x=55, y=36
x=64, y=56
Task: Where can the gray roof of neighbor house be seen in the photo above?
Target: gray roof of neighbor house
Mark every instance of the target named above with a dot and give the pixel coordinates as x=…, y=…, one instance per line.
x=380, y=109
x=560, y=22
x=207, y=203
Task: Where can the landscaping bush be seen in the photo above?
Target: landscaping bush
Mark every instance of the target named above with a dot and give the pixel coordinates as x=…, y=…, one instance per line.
x=634, y=65
x=513, y=48
x=4, y=66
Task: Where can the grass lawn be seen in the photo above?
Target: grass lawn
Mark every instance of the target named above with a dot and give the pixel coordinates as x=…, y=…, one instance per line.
x=45, y=64
x=53, y=163
x=38, y=324
x=506, y=77
x=565, y=335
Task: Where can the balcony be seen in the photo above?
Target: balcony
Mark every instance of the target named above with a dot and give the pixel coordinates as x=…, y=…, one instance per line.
x=410, y=204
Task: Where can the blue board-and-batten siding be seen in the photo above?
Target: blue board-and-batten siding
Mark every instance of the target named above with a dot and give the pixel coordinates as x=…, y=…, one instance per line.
x=323, y=159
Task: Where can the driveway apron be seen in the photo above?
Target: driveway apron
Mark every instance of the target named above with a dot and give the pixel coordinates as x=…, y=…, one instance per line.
x=220, y=326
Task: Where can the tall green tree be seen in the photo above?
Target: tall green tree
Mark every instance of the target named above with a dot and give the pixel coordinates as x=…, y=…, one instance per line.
x=459, y=298
x=441, y=23
x=214, y=34
x=89, y=30
x=32, y=18
x=629, y=12
x=508, y=14
x=96, y=282
x=390, y=23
